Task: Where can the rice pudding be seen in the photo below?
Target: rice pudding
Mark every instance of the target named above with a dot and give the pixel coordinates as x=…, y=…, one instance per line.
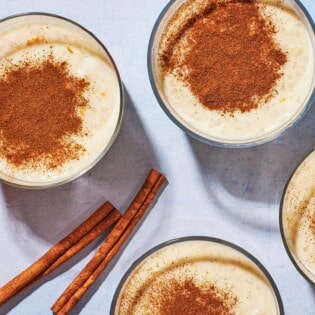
x=196, y=276
x=298, y=217
x=195, y=92
x=37, y=40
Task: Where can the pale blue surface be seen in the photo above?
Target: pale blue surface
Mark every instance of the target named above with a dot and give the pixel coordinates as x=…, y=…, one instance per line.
x=230, y=194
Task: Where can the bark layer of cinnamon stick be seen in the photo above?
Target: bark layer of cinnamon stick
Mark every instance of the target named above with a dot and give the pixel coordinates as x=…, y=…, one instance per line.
x=111, y=245
x=51, y=257
x=88, y=238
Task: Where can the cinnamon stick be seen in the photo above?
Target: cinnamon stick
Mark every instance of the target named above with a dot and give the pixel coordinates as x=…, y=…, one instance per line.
x=37, y=268
x=98, y=230
x=75, y=298
x=112, y=244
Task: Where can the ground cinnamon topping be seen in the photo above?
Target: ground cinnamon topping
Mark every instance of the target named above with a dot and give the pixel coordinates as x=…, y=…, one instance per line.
x=311, y=214
x=36, y=40
x=39, y=113
x=227, y=55
x=187, y=298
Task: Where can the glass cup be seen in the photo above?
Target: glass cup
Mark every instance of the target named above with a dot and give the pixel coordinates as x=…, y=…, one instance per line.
x=212, y=260
x=297, y=217
x=25, y=31
x=182, y=115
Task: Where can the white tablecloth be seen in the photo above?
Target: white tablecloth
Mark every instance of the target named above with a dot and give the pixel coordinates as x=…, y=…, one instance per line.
x=226, y=193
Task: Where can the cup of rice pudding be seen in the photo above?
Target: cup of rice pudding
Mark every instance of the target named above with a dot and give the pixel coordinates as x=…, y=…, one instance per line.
x=197, y=275
x=233, y=73
x=67, y=104
x=297, y=217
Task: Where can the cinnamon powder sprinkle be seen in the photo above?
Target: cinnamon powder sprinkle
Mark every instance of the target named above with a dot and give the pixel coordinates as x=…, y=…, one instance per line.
x=311, y=214
x=36, y=40
x=226, y=54
x=39, y=113
x=190, y=299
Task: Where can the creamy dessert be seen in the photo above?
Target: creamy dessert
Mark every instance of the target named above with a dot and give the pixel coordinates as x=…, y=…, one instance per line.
x=197, y=277
x=67, y=99
x=234, y=72
x=298, y=217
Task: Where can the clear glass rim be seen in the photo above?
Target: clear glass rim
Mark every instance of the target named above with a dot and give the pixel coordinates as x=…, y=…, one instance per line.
x=198, y=137
x=41, y=185
x=281, y=212
x=197, y=238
